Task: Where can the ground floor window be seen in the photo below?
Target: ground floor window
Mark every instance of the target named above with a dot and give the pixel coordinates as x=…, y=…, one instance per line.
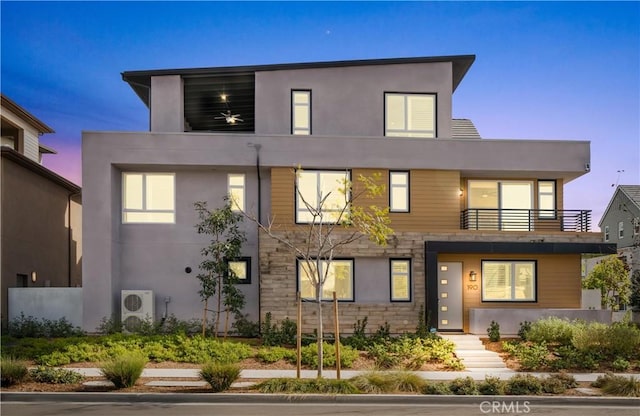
x=241, y=268
x=513, y=281
x=400, y=280
x=339, y=278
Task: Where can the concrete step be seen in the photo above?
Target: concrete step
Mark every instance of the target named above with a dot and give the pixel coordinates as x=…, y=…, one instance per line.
x=471, y=364
x=477, y=354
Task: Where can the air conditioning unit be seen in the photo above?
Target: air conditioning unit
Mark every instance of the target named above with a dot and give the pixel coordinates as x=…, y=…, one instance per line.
x=137, y=307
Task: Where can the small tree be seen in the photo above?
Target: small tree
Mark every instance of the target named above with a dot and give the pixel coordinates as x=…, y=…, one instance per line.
x=634, y=299
x=216, y=277
x=334, y=221
x=611, y=276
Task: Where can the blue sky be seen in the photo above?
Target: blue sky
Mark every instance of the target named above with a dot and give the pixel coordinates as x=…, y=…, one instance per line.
x=543, y=70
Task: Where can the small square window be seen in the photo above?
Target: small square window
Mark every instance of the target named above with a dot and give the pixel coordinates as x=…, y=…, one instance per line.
x=148, y=197
x=339, y=279
x=410, y=115
x=241, y=268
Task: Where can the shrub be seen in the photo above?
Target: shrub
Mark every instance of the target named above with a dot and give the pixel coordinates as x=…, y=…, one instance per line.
x=30, y=327
x=306, y=386
x=523, y=384
x=245, y=328
x=523, y=331
x=55, y=375
x=438, y=387
x=358, y=339
x=566, y=380
x=275, y=354
x=494, y=331
x=125, y=370
x=620, y=364
x=553, y=385
x=463, y=386
x=552, y=330
x=383, y=333
x=310, y=355
x=623, y=340
x=12, y=371
x=493, y=386
x=373, y=383
x=405, y=381
x=220, y=376
x=273, y=336
x=619, y=385
x=533, y=357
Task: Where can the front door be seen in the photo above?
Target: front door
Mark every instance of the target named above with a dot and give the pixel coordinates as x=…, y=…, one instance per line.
x=450, y=296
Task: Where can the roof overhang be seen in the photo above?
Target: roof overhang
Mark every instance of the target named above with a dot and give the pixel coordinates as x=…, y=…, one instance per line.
x=25, y=115
x=14, y=156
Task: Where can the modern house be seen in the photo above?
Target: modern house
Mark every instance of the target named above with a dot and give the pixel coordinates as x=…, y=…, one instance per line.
x=479, y=225
x=41, y=212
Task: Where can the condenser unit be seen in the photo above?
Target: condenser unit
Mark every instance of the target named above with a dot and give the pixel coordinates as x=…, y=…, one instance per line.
x=137, y=307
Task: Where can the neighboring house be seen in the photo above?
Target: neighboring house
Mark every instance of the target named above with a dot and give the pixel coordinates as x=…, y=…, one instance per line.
x=620, y=223
x=479, y=224
x=40, y=220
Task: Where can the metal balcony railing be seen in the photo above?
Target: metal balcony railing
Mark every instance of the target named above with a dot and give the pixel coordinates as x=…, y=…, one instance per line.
x=525, y=220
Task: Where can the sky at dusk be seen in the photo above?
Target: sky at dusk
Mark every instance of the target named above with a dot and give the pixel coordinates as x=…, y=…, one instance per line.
x=543, y=70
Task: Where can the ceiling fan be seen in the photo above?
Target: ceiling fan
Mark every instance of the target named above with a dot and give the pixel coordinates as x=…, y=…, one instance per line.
x=229, y=118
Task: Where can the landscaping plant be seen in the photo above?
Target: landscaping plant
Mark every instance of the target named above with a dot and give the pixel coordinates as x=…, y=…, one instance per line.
x=12, y=371
x=494, y=331
x=220, y=376
x=125, y=370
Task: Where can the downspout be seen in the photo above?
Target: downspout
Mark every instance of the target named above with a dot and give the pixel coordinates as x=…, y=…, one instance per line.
x=257, y=147
x=69, y=238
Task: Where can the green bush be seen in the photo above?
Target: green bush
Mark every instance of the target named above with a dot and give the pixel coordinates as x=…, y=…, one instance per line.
x=358, y=339
x=551, y=330
x=523, y=331
x=492, y=386
x=530, y=356
x=12, y=371
x=374, y=382
x=407, y=382
x=620, y=364
x=412, y=353
x=272, y=335
x=553, y=385
x=523, y=384
x=494, y=331
x=125, y=370
x=463, y=386
x=306, y=386
x=618, y=385
x=275, y=354
x=55, y=375
x=244, y=327
x=437, y=387
x=310, y=355
x=220, y=376
x=30, y=327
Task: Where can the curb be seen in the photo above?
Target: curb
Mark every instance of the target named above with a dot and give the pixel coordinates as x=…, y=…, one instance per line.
x=178, y=398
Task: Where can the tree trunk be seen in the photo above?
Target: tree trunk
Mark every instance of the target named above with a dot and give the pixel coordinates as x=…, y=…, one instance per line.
x=218, y=309
x=204, y=317
x=320, y=337
x=226, y=323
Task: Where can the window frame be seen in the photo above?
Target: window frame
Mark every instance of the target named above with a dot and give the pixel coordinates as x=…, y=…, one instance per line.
x=234, y=205
x=410, y=133
x=513, y=264
x=144, y=176
x=352, y=279
x=247, y=262
x=606, y=233
x=620, y=230
x=408, y=277
x=300, y=131
x=299, y=209
x=406, y=187
x=548, y=213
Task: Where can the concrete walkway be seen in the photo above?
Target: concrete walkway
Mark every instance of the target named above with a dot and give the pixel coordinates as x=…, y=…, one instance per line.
x=470, y=350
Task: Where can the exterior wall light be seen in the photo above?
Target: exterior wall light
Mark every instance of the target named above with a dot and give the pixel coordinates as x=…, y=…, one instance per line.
x=34, y=276
x=473, y=276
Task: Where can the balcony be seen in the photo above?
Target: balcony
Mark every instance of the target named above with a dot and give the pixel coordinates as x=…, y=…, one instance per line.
x=526, y=220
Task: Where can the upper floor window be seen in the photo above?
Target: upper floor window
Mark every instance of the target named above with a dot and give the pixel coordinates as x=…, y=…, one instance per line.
x=339, y=279
x=321, y=195
x=621, y=230
x=301, y=112
x=236, y=191
x=636, y=226
x=148, y=197
x=547, y=199
x=399, y=191
x=606, y=233
x=400, y=280
x=410, y=115
x=508, y=280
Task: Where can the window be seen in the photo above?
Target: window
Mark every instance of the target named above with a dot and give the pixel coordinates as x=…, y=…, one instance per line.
x=339, y=279
x=242, y=269
x=547, y=199
x=301, y=112
x=148, y=197
x=606, y=233
x=636, y=226
x=508, y=281
x=410, y=115
x=621, y=230
x=400, y=280
x=500, y=205
x=236, y=191
x=399, y=191
x=321, y=196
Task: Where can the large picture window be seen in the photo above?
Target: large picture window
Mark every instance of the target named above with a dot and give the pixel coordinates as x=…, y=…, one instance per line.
x=400, y=280
x=410, y=115
x=339, y=279
x=148, y=197
x=321, y=195
x=513, y=281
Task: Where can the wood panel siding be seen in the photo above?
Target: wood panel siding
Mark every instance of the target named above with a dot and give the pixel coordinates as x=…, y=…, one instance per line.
x=558, y=281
